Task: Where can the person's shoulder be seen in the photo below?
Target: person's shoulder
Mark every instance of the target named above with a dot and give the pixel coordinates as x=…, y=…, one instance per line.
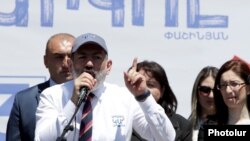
x=56, y=92
x=182, y=127
x=31, y=90
x=27, y=90
x=180, y=119
x=108, y=84
x=58, y=88
x=117, y=90
x=116, y=87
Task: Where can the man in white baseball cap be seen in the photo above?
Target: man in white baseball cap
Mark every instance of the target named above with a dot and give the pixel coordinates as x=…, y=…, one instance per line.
x=113, y=110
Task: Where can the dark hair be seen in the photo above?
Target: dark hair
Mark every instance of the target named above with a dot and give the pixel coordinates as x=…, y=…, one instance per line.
x=242, y=70
x=195, y=105
x=168, y=100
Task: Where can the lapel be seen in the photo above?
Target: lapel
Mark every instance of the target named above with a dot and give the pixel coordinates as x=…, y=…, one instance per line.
x=40, y=88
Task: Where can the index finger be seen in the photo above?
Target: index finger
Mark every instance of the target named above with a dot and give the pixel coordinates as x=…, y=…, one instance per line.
x=134, y=66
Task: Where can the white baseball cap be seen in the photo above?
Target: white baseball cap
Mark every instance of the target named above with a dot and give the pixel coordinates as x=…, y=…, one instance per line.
x=89, y=38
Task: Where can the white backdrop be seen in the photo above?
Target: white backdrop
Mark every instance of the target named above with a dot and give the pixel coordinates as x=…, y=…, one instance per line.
x=182, y=35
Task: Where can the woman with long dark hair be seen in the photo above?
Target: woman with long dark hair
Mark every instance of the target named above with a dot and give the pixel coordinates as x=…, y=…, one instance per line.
x=159, y=87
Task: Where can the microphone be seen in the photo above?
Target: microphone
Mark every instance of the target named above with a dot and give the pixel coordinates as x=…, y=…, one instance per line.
x=83, y=93
x=85, y=90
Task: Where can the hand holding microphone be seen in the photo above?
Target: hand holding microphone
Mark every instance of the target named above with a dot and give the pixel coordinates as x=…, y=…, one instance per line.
x=82, y=85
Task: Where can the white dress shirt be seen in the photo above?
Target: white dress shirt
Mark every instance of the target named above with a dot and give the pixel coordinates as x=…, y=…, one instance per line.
x=115, y=113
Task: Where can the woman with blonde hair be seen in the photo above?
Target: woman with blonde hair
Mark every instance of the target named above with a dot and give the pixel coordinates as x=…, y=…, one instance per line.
x=202, y=104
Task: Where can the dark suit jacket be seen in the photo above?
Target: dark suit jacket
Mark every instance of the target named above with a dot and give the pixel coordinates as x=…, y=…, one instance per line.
x=182, y=126
x=22, y=119
x=211, y=121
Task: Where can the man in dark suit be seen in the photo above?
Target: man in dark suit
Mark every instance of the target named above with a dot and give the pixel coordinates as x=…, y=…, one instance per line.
x=21, y=123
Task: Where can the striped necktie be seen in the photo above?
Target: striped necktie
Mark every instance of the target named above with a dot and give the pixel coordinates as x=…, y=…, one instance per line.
x=86, y=120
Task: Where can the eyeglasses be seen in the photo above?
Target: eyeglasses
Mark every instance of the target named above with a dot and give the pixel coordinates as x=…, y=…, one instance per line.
x=232, y=84
x=205, y=89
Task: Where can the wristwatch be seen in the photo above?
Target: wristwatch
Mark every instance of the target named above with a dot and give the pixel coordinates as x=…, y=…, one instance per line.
x=143, y=97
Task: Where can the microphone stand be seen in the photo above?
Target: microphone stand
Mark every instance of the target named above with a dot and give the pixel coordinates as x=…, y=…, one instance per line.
x=68, y=126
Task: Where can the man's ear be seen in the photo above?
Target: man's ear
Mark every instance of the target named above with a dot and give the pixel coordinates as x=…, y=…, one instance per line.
x=109, y=66
x=45, y=61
